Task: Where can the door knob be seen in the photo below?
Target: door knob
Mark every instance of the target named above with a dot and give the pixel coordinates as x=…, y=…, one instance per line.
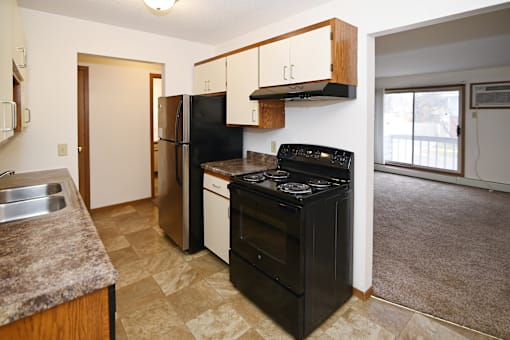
x=80, y=149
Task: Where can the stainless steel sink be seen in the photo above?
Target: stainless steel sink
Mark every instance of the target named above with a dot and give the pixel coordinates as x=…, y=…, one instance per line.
x=14, y=194
x=31, y=207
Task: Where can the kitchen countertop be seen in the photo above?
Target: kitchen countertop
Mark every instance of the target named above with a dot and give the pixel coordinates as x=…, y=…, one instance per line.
x=51, y=259
x=254, y=162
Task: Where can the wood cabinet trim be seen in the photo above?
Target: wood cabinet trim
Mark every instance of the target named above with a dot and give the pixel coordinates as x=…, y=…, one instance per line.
x=273, y=39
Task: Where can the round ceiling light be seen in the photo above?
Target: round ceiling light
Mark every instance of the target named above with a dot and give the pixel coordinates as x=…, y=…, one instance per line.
x=160, y=5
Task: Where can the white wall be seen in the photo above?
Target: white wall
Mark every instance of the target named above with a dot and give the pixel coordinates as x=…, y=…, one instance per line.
x=493, y=125
x=349, y=124
x=119, y=130
x=53, y=44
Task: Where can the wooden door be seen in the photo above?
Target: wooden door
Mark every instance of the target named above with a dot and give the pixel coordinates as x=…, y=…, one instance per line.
x=83, y=134
x=154, y=94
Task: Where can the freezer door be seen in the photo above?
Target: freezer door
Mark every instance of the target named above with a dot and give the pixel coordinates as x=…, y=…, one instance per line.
x=171, y=192
x=170, y=118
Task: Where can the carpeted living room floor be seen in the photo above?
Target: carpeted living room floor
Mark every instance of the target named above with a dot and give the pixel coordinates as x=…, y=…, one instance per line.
x=443, y=249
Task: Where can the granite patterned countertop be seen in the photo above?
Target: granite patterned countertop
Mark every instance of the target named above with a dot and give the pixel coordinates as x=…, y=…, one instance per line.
x=51, y=259
x=254, y=162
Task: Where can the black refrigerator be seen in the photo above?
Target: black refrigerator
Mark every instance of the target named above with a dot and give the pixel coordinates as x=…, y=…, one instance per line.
x=192, y=130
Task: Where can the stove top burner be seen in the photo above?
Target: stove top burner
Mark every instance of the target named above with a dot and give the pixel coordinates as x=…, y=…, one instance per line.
x=277, y=174
x=295, y=188
x=254, y=178
x=319, y=183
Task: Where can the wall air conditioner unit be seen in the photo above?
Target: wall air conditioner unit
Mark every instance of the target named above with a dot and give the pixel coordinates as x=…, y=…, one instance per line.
x=495, y=95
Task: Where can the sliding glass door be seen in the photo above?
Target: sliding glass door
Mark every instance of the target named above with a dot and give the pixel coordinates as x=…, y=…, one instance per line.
x=423, y=128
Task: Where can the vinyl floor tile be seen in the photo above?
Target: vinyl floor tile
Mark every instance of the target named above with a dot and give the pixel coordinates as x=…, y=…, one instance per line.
x=422, y=327
x=192, y=301
x=208, y=264
x=115, y=243
x=151, y=320
x=123, y=257
x=220, y=323
x=137, y=295
x=177, y=278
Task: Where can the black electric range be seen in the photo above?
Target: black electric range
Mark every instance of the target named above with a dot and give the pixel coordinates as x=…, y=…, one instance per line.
x=291, y=235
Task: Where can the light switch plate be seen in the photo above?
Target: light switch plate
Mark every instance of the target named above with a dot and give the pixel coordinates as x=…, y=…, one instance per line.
x=62, y=149
x=273, y=146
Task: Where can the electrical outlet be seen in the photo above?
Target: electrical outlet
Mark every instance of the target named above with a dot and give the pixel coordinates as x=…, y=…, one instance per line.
x=474, y=114
x=62, y=149
x=273, y=146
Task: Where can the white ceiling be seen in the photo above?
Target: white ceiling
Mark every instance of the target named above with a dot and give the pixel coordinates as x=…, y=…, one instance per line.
x=205, y=21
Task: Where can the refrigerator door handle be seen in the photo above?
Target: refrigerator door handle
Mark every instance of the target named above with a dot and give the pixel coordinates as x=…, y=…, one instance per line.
x=177, y=123
x=177, y=178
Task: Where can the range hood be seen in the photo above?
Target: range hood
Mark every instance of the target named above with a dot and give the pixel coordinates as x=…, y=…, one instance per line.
x=308, y=91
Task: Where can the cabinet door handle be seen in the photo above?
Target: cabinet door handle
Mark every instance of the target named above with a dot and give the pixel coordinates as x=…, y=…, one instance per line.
x=216, y=186
x=208, y=85
x=13, y=113
x=29, y=115
x=291, y=69
x=285, y=72
x=253, y=115
x=205, y=85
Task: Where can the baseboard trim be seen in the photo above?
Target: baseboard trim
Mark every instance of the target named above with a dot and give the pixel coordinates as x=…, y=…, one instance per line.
x=471, y=182
x=119, y=205
x=363, y=295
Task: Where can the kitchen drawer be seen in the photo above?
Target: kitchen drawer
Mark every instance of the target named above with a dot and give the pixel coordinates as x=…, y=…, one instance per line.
x=217, y=185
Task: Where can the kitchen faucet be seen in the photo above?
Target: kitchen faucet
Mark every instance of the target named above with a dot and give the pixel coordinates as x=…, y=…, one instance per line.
x=7, y=173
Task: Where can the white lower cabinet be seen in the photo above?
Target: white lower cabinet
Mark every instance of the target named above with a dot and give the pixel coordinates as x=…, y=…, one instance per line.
x=217, y=216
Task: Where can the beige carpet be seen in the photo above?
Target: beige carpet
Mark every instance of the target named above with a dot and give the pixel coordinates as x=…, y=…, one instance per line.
x=443, y=249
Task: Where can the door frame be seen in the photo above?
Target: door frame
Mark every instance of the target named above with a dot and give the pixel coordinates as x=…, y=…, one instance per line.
x=152, y=76
x=83, y=135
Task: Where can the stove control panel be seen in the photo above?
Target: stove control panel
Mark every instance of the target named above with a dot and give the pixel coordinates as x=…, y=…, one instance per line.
x=320, y=155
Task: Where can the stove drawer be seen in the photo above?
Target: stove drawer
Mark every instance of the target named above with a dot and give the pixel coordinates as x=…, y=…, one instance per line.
x=216, y=185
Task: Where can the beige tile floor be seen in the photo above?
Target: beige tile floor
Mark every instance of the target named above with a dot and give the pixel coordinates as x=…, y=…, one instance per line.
x=163, y=293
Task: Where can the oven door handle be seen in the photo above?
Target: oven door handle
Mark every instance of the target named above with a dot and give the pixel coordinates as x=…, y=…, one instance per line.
x=287, y=207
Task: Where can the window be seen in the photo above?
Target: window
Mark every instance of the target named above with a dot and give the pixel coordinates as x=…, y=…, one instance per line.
x=422, y=128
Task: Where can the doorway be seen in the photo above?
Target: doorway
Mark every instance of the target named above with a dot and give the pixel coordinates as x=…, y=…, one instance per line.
x=119, y=129
x=156, y=91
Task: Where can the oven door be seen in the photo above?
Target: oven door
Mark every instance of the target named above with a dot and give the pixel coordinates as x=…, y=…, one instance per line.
x=268, y=233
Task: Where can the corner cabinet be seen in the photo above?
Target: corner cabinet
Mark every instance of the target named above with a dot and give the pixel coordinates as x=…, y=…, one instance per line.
x=325, y=51
x=210, y=77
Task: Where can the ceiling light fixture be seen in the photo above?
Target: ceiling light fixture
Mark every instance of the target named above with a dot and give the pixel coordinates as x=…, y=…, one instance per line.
x=160, y=5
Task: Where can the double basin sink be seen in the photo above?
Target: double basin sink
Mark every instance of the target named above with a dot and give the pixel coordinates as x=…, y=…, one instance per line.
x=30, y=201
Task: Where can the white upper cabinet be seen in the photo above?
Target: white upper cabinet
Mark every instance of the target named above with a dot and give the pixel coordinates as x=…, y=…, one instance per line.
x=19, y=49
x=274, y=63
x=210, y=77
x=301, y=58
x=242, y=80
x=6, y=88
